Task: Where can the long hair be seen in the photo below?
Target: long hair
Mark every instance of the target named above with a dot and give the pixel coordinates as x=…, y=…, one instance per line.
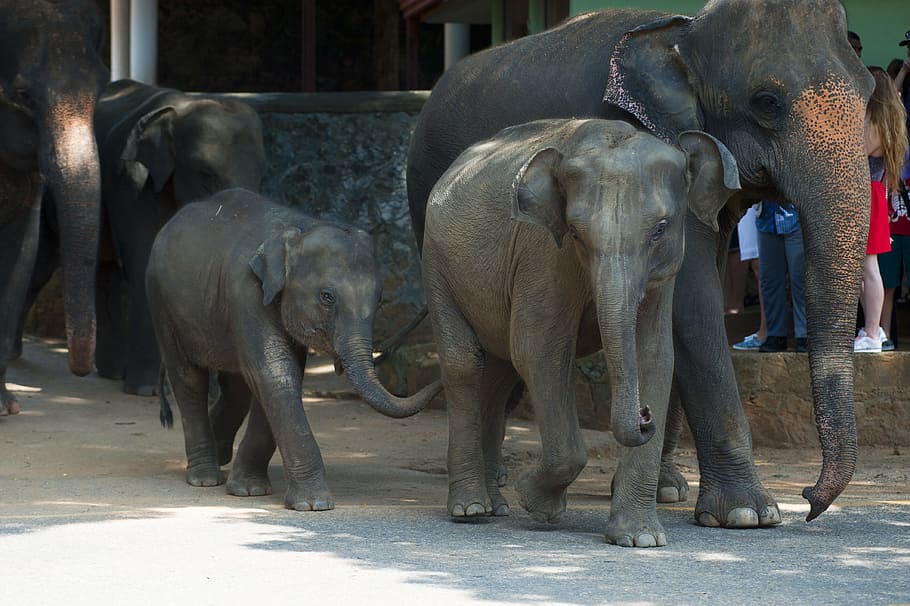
x=888, y=117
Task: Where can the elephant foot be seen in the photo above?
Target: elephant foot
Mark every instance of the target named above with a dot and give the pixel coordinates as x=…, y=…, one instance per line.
x=313, y=496
x=204, y=475
x=738, y=506
x=144, y=389
x=640, y=529
x=671, y=485
x=544, y=505
x=109, y=371
x=248, y=484
x=468, y=499
x=9, y=405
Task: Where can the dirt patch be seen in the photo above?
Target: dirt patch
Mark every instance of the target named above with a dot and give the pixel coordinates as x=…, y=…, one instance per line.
x=83, y=443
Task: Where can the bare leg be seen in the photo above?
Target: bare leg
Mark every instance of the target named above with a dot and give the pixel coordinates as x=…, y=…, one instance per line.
x=873, y=295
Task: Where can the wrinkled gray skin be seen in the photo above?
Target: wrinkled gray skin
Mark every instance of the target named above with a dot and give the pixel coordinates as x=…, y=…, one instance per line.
x=790, y=108
x=160, y=149
x=50, y=77
x=588, y=260
x=265, y=283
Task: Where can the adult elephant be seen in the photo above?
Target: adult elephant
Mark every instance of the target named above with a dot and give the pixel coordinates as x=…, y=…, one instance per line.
x=160, y=148
x=50, y=76
x=789, y=106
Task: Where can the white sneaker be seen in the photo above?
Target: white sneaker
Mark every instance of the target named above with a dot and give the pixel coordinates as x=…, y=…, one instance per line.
x=881, y=334
x=866, y=344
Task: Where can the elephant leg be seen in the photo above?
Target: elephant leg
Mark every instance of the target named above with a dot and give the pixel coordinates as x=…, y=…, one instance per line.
x=730, y=493
x=142, y=358
x=672, y=487
x=249, y=475
x=110, y=333
x=463, y=363
x=18, y=247
x=134, y=230
x=276, y=387
x=47, y=260
x=546, y=364
x=498, y=384
x=189, y=384
x=228, y=413
x=633, y=513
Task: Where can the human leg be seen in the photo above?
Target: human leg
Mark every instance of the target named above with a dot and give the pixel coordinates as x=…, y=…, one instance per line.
x=773, y=268
x=793, y=248
x=873, y=294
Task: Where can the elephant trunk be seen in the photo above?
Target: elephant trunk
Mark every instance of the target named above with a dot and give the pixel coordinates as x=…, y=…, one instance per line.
x=355, y=355
x=617, y=300
x=69, y=163
x=833, y=261
x=834, y=238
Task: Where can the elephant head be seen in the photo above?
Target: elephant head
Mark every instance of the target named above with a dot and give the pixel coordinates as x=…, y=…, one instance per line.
x=625, y=210
x=327, y=283
x=789, y=105
x=202, y=145
x=50, y=77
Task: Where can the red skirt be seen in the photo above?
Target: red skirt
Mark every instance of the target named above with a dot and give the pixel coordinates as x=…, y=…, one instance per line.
x=879, y=224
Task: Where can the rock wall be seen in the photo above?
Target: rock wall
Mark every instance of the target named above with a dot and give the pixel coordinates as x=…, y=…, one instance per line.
x=340, y=156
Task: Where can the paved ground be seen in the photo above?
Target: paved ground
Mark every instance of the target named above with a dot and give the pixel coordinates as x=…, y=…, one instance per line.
x=94, y=510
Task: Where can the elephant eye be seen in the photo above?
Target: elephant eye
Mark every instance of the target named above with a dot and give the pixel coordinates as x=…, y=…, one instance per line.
x=327, y=297
x=659, y=230
x=767, y=104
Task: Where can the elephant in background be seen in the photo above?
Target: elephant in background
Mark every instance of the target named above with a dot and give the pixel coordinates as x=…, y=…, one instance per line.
x=789, y=107
x=247, y=300
x=582, y=259
x=51, y=74
x=160, y=149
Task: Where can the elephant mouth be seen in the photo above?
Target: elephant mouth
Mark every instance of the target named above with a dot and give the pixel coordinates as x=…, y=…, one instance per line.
x=339, y=366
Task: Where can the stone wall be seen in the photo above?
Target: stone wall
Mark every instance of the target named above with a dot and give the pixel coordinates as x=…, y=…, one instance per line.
x=335, y=155
x=774, y=388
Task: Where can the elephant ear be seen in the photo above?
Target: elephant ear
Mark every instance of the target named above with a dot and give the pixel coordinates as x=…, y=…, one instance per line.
x=149, y=149
x=713, y=175
x=537, y=196
x=649, y=78
x=270, y=263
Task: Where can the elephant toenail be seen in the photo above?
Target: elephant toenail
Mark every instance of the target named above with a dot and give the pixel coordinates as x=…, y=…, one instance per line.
x=770, y=516
x=707, y=519
x=742, y=517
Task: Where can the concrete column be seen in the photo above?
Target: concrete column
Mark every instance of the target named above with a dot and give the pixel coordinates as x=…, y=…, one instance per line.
x=120, y=39
x=144, y=40
x=457, y=38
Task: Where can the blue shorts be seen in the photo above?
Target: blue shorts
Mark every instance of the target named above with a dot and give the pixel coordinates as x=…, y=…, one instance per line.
x=889, y=263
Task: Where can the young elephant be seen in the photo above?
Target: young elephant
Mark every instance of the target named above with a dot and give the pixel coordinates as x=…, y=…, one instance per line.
x=243, y=286
x=587, y=260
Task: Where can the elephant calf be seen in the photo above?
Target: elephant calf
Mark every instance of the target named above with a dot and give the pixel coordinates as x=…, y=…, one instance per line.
x=264, y=283
x=549, y=241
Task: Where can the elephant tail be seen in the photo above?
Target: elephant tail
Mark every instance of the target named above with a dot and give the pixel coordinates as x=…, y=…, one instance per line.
x=389, y=346
x=166, y=415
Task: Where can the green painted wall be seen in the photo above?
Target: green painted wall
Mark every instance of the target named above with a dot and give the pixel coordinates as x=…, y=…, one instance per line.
x=880, y=23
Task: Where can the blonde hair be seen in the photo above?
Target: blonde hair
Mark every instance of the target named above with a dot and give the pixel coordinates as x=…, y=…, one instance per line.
x=888, y=117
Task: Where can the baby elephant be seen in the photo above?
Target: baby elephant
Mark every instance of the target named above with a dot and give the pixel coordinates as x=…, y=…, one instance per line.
x=244, y=286
x=549, y=241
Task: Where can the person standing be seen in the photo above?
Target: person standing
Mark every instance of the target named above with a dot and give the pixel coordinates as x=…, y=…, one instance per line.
x=780, y=253
x=748, y=254
x=886, y=146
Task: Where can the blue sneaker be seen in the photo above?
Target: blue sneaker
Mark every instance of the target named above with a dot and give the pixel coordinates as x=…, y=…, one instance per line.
x=750, y=343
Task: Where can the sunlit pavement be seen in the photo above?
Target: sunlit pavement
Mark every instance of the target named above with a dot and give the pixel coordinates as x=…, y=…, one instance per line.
x=93, y=510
